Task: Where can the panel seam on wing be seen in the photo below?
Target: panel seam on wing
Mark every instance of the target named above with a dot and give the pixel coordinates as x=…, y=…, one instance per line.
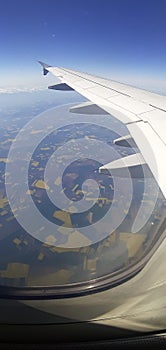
x=146, y=122
x=135, y=122
x=161, y=109
x=111, y=89
x=122, y=93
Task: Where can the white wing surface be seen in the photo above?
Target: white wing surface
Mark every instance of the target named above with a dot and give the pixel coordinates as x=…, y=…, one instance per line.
x=143, y=112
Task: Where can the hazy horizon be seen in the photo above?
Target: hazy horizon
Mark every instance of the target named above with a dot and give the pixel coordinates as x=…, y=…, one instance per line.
x=120, y=40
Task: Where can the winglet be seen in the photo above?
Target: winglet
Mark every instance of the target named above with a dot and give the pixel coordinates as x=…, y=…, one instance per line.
x=45, y=66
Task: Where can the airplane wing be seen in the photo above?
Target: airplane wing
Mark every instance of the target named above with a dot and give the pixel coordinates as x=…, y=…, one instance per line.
x=143, y=112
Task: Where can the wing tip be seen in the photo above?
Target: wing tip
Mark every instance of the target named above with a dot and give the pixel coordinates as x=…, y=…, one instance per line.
x=44, y=66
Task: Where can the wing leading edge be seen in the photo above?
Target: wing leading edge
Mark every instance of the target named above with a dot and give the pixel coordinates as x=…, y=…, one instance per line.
x=143, y=112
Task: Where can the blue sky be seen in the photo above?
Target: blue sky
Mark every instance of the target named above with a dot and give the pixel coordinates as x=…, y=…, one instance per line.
x=120, y=39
